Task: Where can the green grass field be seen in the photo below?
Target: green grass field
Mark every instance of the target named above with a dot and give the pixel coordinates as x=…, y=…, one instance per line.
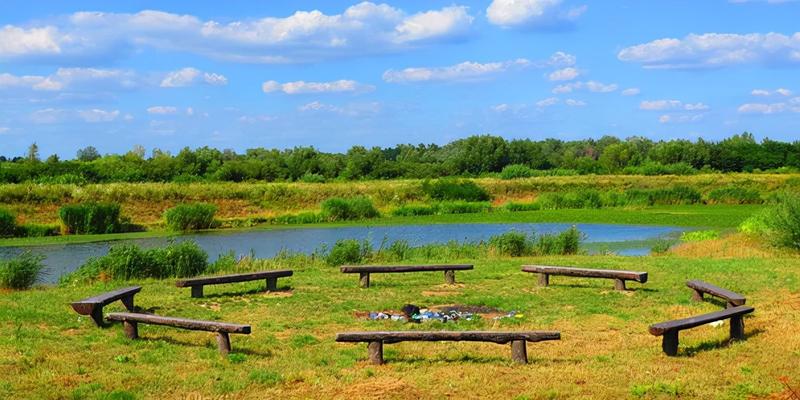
x=48, y=351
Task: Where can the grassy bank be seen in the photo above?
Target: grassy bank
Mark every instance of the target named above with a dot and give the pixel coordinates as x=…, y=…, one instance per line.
x=47, y=351
x=711, y=216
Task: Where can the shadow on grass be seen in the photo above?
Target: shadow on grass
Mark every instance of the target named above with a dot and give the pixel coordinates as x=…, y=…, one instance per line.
x=466, y=358
x=234, y=349
x=611, y=287
x=248, y=292
x=716, y=344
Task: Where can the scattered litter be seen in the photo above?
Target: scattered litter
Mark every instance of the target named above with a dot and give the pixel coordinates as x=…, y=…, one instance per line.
x=717, y=324
x=413, y=313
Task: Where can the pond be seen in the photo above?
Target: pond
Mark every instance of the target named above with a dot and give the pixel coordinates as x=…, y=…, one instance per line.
x=264, y=243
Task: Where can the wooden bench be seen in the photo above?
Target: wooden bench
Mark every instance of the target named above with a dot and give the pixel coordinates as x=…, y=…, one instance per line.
x=271, y=276
x=699, y=288
x=670, y=329
x=130, y=323
x=93, y=306
x=365, y=270
x=518, y=340
x=618, y=276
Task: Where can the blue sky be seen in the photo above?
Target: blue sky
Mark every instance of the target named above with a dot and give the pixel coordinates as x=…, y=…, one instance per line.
x=334, y=74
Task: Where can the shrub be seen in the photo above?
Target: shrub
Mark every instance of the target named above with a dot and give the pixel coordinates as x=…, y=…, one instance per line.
x=783, y=222
x=588, y=198
x=461, y=207
x=189, y=217
x=90, y=218
x=312, y=178
x=299, y=218
x=516, y=171
x=734, y=195
x=35, y=230
x=452, y=189
x=348, y=251
x=697, y=236
x=340, y=209
x=514, y=244
x=8, y=223
x=672, y=196
x=128, y=261
x=511, y=206
x=22, y=271
x=562, y=243
x=409, y=210
x=756, y=224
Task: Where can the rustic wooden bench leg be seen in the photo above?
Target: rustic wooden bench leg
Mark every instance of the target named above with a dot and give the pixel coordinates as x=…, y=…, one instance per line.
x=375, y=350
x=697, y=295
x=619, y=284
x=519, y=351
x=97, y=315
x=197, y=291
x=450, y=277
x=224, y=343
x=363, y=279
x=670, y=343
x=544, y=279
x=272, y=284
x=128, y=303
x=737, y=328
x=131, y=329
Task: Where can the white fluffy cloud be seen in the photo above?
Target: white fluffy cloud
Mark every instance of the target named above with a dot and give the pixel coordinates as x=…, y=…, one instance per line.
x=679, y=118
x=792, y=105
x=4, y=129
x=364, y=28
x=350, y=110
x=592, y=86
x=302, y=87
x=550, y=101
x=162, y=110
x=475, y=71
x=564, y=74
x=714, y=50
x=661, y=105
x=73, y=79
x=191, y=76
x=531, y=13
x=631, y=92
x=776, y=92
x=97, y=115
x=575, y=103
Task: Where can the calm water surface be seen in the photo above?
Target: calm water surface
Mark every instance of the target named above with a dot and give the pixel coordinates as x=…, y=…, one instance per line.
x=62, y=259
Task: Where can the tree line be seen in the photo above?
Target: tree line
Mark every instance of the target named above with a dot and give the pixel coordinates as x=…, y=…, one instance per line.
x=478, y=155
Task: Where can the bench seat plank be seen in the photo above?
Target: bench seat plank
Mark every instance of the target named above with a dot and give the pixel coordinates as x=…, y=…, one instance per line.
x=587, y=272
x=432, y=336
x=191, y=324
x=93, y=306
x=691, y=322
x=349, y=269
x=233, y=278
x=732, y=298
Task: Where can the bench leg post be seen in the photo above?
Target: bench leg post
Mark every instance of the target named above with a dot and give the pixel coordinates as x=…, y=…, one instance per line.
x=450, y=277
x=544, y=280
x=737, y=328
x=131, y=329
x=619, y=284
x=197, y=291
x=670, y=343
x=97, y=315
x=128, y=303
x=272, y=284
x=697, y=295
x=375, y=350
x=363, y=279
x=519, y=351
x=224, y=343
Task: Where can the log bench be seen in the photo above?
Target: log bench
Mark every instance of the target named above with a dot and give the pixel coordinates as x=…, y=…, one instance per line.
x=518, y=340
x=669, y=329
x=271, y=277
x=131, y=321
x=699, y=288
x=365, y=270
x=93, y=306
x=618, y=276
